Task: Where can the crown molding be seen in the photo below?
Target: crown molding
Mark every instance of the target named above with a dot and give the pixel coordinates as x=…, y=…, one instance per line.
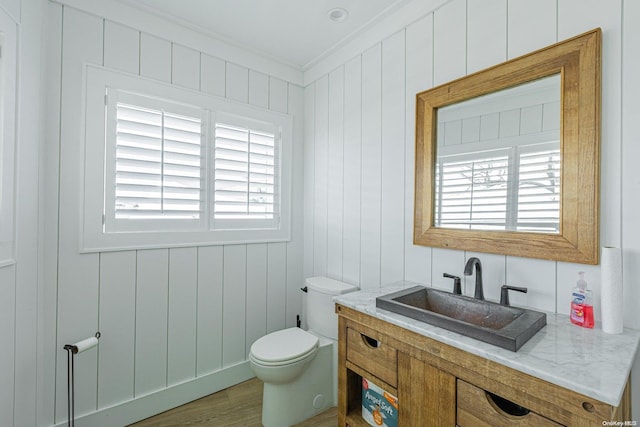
x=151, y=22
x=368, y=36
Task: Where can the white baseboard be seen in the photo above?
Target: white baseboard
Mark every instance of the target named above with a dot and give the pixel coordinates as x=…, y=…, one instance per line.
x=142, y=407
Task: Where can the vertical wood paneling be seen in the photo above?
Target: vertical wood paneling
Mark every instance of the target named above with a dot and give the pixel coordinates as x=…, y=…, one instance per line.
x=49, y=174
x=509, y=123
x=155, y=58
x=631, y=180
x=471, y=129
x=531, y=27
x=121, y=47
x=352, y=170
x=371, y=168
x=13, y=8
x=593, y=14
x=185, y=67
x=276, y=297
x=256, y=295
x=531, y=119
x=335, y=188
x=278, y=95
x=237, y=82
x=117, y=327
x=320, y=183
x=450, y=42
x=446, y=261
x=209, y=306
x=28, y=251
x=295, y=248
x=309, y=173
x=182, y=315
x=152, y=292
x=77, y=273
x=393, y=151
x=486, y=34
x=234, y=306
x=419, y=76
x=212, y=75
x=542, y=284
x=258, y=89
x=7, y=331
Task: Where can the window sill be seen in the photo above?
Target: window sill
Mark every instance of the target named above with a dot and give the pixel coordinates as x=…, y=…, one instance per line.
x=111, y=242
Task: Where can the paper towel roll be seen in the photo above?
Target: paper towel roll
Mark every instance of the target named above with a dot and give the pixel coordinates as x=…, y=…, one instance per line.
x=611, y=290
x=85, y=345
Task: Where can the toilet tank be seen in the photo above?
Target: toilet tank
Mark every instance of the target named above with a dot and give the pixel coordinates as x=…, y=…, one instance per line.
x=321, y=316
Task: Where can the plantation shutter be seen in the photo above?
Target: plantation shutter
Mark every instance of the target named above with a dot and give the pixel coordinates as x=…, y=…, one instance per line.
x=158, y=162
x=246, y=174
x=539, y=191
x=472, y=192
x=518, y=188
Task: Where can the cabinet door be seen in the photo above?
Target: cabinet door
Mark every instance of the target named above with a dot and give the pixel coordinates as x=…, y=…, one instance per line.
x=426, y=395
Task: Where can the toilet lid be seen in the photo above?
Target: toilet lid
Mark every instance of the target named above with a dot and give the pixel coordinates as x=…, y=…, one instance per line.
x=284, y=345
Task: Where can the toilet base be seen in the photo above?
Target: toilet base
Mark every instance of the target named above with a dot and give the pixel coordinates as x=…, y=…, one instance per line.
x=311, y=393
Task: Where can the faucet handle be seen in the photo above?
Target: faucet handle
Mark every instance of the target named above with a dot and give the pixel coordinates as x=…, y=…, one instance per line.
x=504, y=293
x=457, y=288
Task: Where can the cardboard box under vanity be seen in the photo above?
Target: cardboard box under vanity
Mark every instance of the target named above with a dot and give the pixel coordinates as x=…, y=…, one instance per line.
x=379, y=407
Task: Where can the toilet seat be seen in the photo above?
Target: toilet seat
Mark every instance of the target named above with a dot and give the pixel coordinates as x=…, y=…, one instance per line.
x=284, y=347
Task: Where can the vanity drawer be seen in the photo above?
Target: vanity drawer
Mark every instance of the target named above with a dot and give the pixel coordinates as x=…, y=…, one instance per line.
x=477, y=409
x=373, y=355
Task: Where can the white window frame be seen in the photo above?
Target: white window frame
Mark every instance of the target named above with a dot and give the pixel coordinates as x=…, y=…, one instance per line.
x=8, y=87
x=94, y=236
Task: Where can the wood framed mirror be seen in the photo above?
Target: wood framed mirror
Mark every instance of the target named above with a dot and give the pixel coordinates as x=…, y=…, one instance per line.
x=475, y=188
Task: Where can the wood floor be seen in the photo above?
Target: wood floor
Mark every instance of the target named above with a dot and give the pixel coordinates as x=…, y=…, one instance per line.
x=237, y=406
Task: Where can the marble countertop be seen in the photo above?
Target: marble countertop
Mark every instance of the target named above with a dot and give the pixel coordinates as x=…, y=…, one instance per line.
x=587, y=361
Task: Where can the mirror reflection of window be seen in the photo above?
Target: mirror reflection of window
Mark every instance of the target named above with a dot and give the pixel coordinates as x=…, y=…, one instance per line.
x=498, y=160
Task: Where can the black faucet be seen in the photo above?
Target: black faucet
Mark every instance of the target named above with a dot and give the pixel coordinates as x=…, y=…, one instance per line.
x=468, y=271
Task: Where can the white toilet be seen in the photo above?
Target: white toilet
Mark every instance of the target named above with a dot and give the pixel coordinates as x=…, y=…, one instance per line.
x=299, y=368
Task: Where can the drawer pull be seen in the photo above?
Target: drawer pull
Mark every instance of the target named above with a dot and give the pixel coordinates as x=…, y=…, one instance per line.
x=506, y=406
x=370, y=342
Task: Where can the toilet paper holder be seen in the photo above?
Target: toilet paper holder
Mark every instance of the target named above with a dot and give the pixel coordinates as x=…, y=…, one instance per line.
x=72, y=350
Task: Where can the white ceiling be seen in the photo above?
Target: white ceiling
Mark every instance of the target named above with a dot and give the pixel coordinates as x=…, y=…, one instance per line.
x=296, y=32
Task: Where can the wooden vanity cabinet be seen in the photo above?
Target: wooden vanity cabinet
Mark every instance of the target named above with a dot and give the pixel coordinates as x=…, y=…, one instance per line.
x=439, y=385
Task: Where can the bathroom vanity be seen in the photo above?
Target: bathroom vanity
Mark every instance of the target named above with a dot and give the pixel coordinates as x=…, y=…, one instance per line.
x=565, y=375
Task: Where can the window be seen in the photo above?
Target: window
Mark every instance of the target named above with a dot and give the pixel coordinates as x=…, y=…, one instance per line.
x=472, y=190
x=505, y=189
x=539, y=190
x=179, y=167
x=245, y=175
x=155, y=156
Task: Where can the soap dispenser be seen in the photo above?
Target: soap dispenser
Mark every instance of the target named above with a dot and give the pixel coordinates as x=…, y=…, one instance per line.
x=582, y=304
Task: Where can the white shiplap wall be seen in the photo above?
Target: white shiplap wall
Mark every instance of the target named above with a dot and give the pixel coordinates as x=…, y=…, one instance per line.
x=365, y=147
x=117, y=293
x=19, y=291
x=176, y=323
x=362, y=232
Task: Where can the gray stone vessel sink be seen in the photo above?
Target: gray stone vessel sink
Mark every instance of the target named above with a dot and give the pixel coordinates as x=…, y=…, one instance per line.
x=504, y=326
